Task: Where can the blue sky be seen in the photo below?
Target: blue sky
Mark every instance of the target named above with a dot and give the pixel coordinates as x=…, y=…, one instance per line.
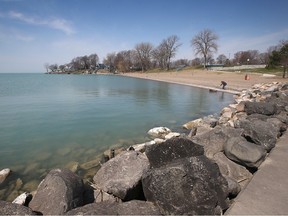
x=35, y=32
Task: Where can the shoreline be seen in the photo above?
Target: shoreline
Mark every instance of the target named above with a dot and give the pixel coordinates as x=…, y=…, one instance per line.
x=208, y=79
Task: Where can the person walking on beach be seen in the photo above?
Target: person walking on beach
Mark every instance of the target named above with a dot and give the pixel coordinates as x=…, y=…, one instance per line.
x=223, y=84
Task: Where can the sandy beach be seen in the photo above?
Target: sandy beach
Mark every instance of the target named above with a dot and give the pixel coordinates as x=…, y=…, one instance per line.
x=209, y=79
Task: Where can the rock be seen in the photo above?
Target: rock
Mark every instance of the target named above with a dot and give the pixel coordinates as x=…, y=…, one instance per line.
x=234, y=187
x=240, y=107
x=121, y=176
x=264, y=108
x=226, y=112
x=91, y=164
x=101, y=196
x=59, y=192
x=31, y=185
x=232, y=170
x=7, y=208
x=171, y=135
x=214, y=140
x=31, y=168
x=73, y=166
x=190, y=186
x=244, y=152
x=134, y=207
x=21, y=199
x=4, y=174
x=159, y=132
x=193, y=124
x=260, y=132
x=172, y=149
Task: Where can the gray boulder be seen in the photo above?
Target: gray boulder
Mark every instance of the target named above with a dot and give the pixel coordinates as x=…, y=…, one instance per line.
x=243, y=152
x=60, y=191
x=234, y=187
x=172, y=149
x=187, y=186
x=232, y=170
x=121, y=176
x=134, y=207
x=213, y=140
x=264, y=108
x=7, y=208
x=260, y=132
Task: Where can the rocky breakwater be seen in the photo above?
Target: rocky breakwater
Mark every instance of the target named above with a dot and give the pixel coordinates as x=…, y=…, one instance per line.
x=199, y=173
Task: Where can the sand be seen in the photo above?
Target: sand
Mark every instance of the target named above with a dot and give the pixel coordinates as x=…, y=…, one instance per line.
x=209, y=79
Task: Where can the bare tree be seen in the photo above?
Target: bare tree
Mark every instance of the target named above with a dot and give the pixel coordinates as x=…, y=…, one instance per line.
x=170, y=46
x=158, y=54
x=221, y=59
x=247, y=57
x=93, y=60
x=143, y=54
x=46, y=66
x=204, y=44
x=110, y=62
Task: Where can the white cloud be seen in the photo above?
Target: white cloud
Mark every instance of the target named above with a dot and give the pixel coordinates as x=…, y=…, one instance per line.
x=55, y=23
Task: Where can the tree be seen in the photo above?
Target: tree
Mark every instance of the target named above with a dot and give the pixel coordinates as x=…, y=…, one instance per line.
x=110, y=62
x=221, y=59
x=204, y=44
x=247, y=57
x=284, y=58
x=169, y=47
x=46, y=66
x=280, y=58
x=143, y=55
x=93, y=60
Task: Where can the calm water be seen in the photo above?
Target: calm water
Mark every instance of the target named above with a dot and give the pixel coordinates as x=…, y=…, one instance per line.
x=49, y=121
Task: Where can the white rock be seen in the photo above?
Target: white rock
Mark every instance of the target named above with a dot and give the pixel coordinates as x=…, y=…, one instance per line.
x=21, y=199
x=158, y=141
x=3, y=174
x=192, y=124
x=171, y=135
x=159, y=132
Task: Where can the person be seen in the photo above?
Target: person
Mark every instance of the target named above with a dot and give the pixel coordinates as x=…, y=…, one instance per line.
x=223, y=84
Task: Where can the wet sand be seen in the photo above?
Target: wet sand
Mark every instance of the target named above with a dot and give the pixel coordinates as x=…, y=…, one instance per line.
x=209, y=79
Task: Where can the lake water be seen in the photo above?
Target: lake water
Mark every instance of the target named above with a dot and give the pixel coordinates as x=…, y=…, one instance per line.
x=51, y=121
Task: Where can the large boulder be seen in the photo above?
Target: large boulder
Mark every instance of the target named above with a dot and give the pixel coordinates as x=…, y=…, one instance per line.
x=121, y=176
x=232, y=170
x=213, y=140
x=7, y=208
x=260, y=132
x=172, y=149
x=134, y=207
x=60, y=191
x=190, y=186
x=265, y=108
x=243, y=152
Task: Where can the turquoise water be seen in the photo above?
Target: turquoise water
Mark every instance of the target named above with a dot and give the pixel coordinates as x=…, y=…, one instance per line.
x=49, y=121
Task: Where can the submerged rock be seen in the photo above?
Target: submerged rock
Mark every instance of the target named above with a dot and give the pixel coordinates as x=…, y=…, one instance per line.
x=4, y=174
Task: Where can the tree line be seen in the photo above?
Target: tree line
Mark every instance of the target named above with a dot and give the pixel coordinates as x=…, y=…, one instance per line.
x=146, y=56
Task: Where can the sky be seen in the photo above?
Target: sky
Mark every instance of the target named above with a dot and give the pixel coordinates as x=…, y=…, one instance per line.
x=35, y=32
